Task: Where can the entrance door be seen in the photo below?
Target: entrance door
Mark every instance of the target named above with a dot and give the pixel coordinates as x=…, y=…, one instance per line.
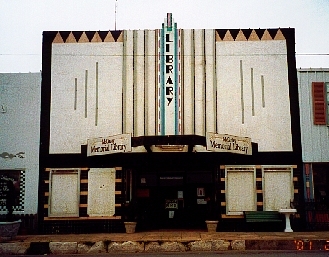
x=177, y=201
x=171, y=200
x=171, y=208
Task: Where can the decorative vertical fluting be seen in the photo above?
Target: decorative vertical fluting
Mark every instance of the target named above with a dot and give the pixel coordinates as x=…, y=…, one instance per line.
x=128, y=80
x=139, y=83
x=242, y=99
x=96, y=97
x=200, y=87
x=210, y=80
x=188, y=81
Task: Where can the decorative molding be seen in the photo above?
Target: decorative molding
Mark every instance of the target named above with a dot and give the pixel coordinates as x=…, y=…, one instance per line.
x=253, y=36
x=96, y=38
x=279, y=35
x=217, y=36
x=83, y=38
x=109, y=37
x=266, y=36
x=58, y=38
x=228, y=36
x=243, y=35
x=73, y=37
x=240, y=36
x=117, y=36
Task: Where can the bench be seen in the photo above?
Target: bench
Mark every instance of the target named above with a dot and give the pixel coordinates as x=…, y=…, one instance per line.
x=262, y=216
x=255, y=220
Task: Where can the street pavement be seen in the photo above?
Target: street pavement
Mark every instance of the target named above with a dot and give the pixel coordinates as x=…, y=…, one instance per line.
x=164, y=241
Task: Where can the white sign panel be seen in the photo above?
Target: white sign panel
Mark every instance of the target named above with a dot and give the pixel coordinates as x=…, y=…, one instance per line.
x=107, y=145
x=228, y=143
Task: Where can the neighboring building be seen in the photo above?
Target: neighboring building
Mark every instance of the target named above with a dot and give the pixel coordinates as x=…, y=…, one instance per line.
x=165, y=120
x=314, y=113
x=20, y=102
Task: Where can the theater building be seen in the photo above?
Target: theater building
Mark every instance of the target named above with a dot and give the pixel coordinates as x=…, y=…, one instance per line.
x=184, y=125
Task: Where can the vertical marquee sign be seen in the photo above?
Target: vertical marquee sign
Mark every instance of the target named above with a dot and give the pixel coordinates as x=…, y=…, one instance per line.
x=169, y=79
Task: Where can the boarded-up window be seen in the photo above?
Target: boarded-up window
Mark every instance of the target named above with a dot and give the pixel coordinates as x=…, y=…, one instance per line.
x=319, y=103
x=240, y=190
x=278, y=189
x=64, y=193
x=101, y=192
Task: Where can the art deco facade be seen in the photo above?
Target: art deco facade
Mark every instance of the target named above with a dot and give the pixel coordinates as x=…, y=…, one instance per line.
x=167, y=118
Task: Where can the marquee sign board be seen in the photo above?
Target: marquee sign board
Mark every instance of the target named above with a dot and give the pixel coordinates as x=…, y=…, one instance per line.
x=108, y=145
x=228, y=143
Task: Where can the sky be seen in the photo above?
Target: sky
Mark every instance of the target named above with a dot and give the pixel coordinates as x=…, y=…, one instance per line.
x=23, y=21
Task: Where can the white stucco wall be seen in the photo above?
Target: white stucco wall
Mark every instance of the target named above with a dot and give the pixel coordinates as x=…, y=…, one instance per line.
x=20, y=95
x=69, y=128
x=270, y=126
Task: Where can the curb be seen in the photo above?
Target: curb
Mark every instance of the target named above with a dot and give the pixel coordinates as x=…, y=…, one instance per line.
x=58, y=248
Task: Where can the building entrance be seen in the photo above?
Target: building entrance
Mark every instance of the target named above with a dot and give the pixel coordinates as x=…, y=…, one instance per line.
x=177, y=200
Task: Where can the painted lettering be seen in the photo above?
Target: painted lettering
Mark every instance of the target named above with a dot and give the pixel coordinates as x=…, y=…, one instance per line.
x=169, y=58
x=229, y=144
x=240, y=148
x=169, y=91
x=214, y=144
x=105, y=148
x=229, y=139
x=169, y=69
x=167, y=48
x=168, y=38
x=94, y=149
x=106, y=141
x=108, y=147
x=169, y=81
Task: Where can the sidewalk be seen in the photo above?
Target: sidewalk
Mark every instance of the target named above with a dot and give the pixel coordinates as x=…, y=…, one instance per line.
x=164, y=241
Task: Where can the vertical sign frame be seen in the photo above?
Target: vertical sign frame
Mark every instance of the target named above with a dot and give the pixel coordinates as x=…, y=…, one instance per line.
x=169, y=79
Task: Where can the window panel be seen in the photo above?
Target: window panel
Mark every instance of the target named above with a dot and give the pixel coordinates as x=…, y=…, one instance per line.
x=101, y=192
x=64, y=193
x=240, y=189
x=319, y=103
x=277, y=188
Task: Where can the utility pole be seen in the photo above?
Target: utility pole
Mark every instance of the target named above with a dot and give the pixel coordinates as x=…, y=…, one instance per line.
x=115, y=15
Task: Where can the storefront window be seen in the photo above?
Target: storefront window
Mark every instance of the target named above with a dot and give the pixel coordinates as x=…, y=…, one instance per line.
x=17, y=177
